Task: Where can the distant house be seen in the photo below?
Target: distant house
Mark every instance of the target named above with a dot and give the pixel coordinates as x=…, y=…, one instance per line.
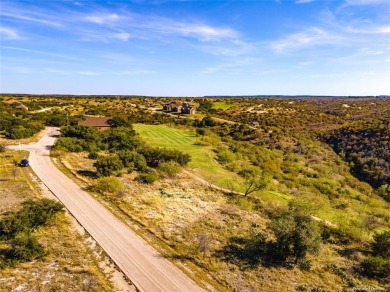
x=171, y=107
x=101, y=123
x=187, y=109
x=255, y=124
x=184, y=108
x=22, y=107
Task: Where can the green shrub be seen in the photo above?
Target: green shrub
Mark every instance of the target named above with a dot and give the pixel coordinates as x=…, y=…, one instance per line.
x=126, y=157
x=25, y=247
x=121, y=138
x=39, y=212
x=93, y=155
x=71, y=144
x=384, y=191
x=107, y=165
x=2, y=148
x=140, y=163
x=32, y=215
x=17, y=228
x=209, y=139
x=243, y=203
x=224, y=155
x=155, y=156
x=147, y=178
x=23, y=129
x=201, y=132
x=107, y=185
x=381, y=245
x=130, y=167
x=169, y=168
x=134, y=159
x=304, y=264
x=375, y=267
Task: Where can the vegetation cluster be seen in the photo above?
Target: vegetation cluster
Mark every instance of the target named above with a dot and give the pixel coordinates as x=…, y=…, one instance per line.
x=17, y=230
x=123, y=149
x=365, y=145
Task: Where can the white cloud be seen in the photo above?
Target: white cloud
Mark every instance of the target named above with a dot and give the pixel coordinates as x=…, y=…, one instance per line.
x=124, y=36
x=9, y=34
x=308, y=38
x=303, y=1
x=368, y=51
x=18, y=69
x=123, y=72
x=203, y=32
x=31, y=16
x=88, y=73
x=56, y=71
x=229, y=48
x=103, y=19
x=370, y=30
x=152, y=27
x=305, y=63
x=136, y=72
x=233, y=66
x=365, y=2
x=40, y=52
x=166, y=26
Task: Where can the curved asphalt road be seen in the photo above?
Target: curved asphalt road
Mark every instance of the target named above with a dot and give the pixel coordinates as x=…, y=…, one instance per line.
x=143, y=265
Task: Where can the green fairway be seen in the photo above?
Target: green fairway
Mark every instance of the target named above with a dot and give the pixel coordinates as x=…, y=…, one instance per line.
x=202, y=157
x=222, y=105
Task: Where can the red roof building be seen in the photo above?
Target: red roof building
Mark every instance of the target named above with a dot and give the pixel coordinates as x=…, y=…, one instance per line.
x=102, y=123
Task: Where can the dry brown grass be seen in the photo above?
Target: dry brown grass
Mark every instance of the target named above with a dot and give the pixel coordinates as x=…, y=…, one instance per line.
x=171, y=214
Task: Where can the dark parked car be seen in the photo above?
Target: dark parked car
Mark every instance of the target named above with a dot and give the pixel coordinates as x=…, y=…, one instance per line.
x=24, y=163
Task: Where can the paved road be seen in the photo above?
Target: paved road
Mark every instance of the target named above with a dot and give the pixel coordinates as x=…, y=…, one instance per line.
x=143, y=265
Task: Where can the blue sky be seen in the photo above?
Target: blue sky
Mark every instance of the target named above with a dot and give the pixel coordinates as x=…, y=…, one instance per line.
x=194, y=48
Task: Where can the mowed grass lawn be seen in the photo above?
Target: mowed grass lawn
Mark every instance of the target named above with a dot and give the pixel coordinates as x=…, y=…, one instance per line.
x=222, y=105
x=202, y=157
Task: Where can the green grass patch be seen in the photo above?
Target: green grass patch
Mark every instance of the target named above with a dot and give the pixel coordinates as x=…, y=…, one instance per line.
x=222, y=105
x=202, y=157
x=275, y=196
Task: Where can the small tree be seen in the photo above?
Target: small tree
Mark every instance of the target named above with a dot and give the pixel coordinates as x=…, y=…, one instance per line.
x=254, y=180
x=296, y=235
x=105, y=166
